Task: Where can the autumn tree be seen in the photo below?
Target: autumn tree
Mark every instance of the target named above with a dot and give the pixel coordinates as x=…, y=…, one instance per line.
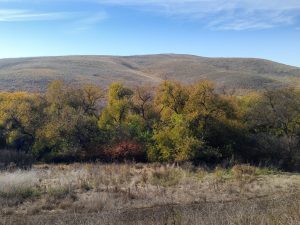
x=71, y=121
x=90, y=99
x=275, y=115
x=174, y=141
x=21, y=115
x=173, y=122
x=171, y=96
x=118, y=106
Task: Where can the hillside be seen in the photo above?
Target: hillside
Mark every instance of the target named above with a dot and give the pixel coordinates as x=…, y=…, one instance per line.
x=33, y=74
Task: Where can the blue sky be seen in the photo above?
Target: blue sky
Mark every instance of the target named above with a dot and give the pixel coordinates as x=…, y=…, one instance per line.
x=215, y=28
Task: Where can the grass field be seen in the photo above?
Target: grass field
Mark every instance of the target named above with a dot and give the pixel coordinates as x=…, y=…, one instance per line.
x=87, y=194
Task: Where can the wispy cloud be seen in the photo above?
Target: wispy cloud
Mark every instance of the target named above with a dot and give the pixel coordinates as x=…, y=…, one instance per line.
x=90, y=21
x=212, y=14
x=204, y=5
x=81, y=20
x=17, y=15
x=258, y=19
x=223, y=14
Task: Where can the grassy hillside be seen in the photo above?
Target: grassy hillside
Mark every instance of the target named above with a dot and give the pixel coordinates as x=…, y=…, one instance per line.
x=33, y=74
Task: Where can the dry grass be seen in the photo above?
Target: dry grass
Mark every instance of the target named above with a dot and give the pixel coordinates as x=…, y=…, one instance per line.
x=18, y=185
x=242, y=75
x=148, y=194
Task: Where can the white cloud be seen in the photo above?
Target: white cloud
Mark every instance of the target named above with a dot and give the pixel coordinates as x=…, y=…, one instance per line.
x=16, y=15
x=89, y=21
x=261, y=19
x=213, y=14
x=80, y=20
x=223, y=14
x=204, y=4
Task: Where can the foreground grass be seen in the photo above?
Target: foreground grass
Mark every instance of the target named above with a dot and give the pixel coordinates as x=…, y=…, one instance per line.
x=148, y=194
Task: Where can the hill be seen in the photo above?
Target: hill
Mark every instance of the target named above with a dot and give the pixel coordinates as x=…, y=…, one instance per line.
x=33, y=74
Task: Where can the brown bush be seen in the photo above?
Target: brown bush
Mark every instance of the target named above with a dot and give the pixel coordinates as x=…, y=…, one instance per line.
x=126, y=151
x=240, y=171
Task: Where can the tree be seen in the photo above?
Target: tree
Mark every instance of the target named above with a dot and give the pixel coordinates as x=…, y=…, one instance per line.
x=174, y=141
x=90, y=99
x=118, y=106
x=213, y=120
x=205, y=106
x=71, y=125
x=276, y=113
x=172, y=96
x=20, y=116
x=143, y=107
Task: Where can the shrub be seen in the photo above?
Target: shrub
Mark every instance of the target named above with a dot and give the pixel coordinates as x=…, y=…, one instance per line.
x=19, y=193
x=10, y=159
x=19, y=185
x=60, y=192
x=126, y=150
x=166, y=177
x=242, y=171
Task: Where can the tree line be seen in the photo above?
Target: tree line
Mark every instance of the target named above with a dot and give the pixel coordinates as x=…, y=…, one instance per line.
x=173, y=122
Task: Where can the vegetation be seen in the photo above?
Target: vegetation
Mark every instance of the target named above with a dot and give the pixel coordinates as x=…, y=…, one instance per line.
x=171, y=123
x=240, y=74
x=148, y=194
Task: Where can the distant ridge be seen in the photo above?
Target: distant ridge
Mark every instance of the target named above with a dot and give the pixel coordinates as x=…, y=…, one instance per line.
x=242, y=74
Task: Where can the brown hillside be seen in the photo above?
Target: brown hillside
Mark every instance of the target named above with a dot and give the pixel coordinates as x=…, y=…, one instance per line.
x=33, y=74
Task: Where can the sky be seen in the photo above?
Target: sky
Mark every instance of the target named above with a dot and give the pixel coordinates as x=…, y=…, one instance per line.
x=268, y=29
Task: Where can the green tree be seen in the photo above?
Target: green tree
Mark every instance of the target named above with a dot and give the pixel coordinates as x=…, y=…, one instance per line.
x=274, y=117
x=21, y=115
x=171, y=96
x=174, y=141
x=118, y=107
x=71, y=125
x=205, y=107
